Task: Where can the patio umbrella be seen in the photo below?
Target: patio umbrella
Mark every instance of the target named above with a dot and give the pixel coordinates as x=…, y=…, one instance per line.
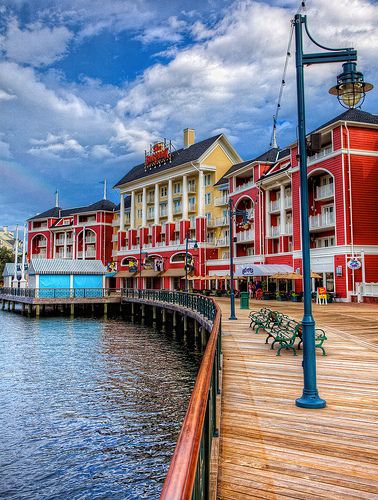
x=315, y=275
x=287, y=276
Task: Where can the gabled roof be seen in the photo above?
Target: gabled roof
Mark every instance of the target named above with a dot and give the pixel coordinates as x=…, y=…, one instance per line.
x=179, y=157
x=57, y=212
x=352, y=115
x=66, y=266
x=9, y=269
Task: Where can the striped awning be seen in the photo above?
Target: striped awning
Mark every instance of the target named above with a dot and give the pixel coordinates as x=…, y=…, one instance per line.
x=174, y=273
x=66, y=266
x=125, y=274
x=148, y=273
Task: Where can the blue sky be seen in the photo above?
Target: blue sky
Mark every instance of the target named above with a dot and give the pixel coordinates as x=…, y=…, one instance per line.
x=86, y=85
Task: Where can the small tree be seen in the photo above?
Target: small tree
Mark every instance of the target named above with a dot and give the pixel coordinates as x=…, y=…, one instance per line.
x=5, y=256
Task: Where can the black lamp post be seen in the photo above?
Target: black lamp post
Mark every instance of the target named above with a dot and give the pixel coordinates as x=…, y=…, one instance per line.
x=350, y=90
x=231, y=214
x=140, y=264
x=195, y=246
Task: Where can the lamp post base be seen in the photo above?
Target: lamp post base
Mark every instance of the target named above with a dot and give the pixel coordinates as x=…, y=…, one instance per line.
x=232, y=317
x=310, y=401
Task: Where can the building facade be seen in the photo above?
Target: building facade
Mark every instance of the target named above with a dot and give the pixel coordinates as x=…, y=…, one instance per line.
x=77, y=233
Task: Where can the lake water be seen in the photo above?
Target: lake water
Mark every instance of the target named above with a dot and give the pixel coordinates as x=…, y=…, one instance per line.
x=89, y=408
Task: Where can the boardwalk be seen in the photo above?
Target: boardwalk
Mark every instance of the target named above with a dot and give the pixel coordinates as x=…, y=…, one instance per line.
x=271, y=449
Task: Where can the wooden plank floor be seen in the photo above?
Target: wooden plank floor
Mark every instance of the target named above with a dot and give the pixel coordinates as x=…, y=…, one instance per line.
x=271, y=449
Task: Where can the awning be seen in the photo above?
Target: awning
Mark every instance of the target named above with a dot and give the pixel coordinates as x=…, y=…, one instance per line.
x=261, y=269
x=218, y=272
x=174, y=273
x=148, y=273
x=125, y=274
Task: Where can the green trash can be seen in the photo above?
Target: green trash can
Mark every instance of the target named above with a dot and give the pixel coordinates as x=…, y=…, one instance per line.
x=244, y=300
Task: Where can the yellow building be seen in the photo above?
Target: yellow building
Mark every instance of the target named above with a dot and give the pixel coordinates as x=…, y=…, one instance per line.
x=170, y=199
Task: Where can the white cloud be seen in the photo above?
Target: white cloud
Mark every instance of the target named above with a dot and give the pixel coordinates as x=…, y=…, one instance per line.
x=101, y=152
x=6, y=96
x=5, y=152
x=37, y=45
x=57, y=147
x=170, y=30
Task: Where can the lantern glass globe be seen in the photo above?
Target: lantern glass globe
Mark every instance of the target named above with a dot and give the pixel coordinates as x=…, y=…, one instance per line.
x=351, y=94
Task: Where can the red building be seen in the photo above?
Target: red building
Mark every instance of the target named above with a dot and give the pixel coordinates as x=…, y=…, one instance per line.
x=76, y=233
x=343, y=210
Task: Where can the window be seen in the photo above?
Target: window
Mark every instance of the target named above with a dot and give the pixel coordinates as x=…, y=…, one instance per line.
x=207, y=198
x=177, y=206
x=151, y=196
x=139, y=197
x=163, y=191
x=177, y=187
x=191, y=185
x=325, y=242
x=163, y=209
x=192, y=202
x=139, y=213
x=151, y=212
x=207, y=179
x=192, y=220
x=208, y=217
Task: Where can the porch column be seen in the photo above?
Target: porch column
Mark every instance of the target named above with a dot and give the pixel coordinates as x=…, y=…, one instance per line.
x=73, y=243
x=267, y=214
x=170, y=202
x=83, y=248
x=201, y=194
x=132, y=210
x=156, y=205
x=54, y=245
x=144, y=207
x=185, y=197
x=122, y=213
x=282, y=210
x=65, y=245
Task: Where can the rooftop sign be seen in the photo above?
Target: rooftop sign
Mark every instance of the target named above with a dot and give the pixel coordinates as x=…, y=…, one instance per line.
x=159, y=154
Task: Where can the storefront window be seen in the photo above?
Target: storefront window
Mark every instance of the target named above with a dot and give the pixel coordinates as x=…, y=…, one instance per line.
x=329, y=282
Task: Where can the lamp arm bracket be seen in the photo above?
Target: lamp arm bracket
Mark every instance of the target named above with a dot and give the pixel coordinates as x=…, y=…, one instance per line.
x=318, y=44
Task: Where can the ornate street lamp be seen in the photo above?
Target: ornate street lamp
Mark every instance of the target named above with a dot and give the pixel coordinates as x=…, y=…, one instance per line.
x=234, y=213
x=195, y=246
x=350, y=89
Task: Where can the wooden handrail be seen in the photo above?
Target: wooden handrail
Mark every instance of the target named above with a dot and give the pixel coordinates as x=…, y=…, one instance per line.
x=179, y=482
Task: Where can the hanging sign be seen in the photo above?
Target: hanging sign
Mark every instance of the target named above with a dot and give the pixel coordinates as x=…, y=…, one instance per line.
x=354, y=264
x=158, y=154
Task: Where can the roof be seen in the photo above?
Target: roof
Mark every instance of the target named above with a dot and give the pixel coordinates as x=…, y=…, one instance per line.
x=352, y=115
x=66, y=266
x=179, y=157
x=9, y=269
x=57, y=212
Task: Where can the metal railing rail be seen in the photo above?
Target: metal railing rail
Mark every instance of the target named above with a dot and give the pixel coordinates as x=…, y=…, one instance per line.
x=189, y=472
x=59, y=293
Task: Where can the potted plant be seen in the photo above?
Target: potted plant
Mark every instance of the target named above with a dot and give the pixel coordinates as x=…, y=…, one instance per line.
x=295, y=297
x=218, y=293
x=329, y=298
x=281, y=296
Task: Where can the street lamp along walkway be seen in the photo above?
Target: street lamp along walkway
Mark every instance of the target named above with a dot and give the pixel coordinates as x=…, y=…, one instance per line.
x=350, y=90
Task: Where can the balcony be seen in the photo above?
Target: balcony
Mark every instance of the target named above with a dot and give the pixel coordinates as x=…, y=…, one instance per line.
x=289, y=228
x=223, y=242
x=243, y=236
x=324, y=192
x=59, y=242
x=115, y=223
x=243, y=187
x=321, y=221
x=150, y=215
x=225, y=255
x=221, y=201
x=89, y=254
x=90, y=239
x=275, y=231
x=147, y=245
x=192, y=224
x=163, y=213
x=134, y=247
x=211, y=240
x=191, y=187
x=42, y=243
x=192, y=207
x=115, y=238
x=177, y=226
x=275, y=206
x=221, y=221
x=322, y=153
x=177, y=209
x=288, y=202
x=160, y=244
x=40, y=255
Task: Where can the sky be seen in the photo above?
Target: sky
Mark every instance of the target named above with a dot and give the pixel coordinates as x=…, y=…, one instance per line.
x=87, y=85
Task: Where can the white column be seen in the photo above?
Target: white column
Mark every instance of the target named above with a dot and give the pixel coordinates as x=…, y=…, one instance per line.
x=83, y=248
x=201, y=194
x=54, y=246
x=170, y=202
x=122, y=213
x=282, y=210
x=65, y=245
x=23, y=281
x=156, y=205
x=185, y=197
x=144, y=208
x=132, y=210
x=73, y=243
x=267, y=213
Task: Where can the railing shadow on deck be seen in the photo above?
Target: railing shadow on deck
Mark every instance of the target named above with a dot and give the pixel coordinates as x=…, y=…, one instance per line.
x=189, y=471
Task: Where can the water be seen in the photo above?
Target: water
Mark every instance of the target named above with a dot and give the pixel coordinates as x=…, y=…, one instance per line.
x=89, y=408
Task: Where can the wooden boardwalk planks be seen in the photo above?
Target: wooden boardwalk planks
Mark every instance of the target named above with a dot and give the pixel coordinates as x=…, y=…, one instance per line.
x=271, y=449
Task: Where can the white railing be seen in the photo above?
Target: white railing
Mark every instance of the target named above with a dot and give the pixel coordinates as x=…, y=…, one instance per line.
x=211, y=240
x=163, y=213
x=40, y=255
x=288, y=228
x=192, y=207
x=124, y=249
x=160, y=244
x=275, y=231
x=275, y=205
x=59, y=242
x=221, y=201
x=287, y=202
x=370, y=289
x=242, y=187
x=191, y=187
x=115, y=222
x=192, y=224
x=69, y=241
x=37, y=228
x=223, y=242
x=69, y=255
x=225, y=255
x=177, y=209
x=245, y=235
x=325, y=191
x=322, y=153
x=150, y=214
x=90, y=239
x=321, y=220
x=210, y=222
x=221, y=221
x=134, y=247
x=177, y=226
x=147, y=245
x=114, y=238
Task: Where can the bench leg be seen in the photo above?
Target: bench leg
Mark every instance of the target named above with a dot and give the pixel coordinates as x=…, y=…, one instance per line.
x=286, y=347
x=323, y=350
x=299, y=345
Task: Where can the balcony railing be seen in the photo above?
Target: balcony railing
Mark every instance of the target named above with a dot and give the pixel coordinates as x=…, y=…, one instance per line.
x=192, y=207
x=221, y=221
x=275, y=231
x=223, y=242
x=225, y=255
x=90, y=239
x=177, y=226
x=242, y=187
x=42, y=243
x=322, y=221
x=115, y=238
x=275, y=206
x=288, y=202
x=191, y=187
x=160, y=244
x=221, y=201
x=242, y=236
x=88, y=254
x=289, y=228
x=163, y=213
x=40, y=255
x=150, y=215
x=322, y=153
x=177, y=209
x=325, y=191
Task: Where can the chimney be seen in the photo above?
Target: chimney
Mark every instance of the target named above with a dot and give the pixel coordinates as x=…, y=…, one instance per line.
x=188, y=137
x=5, y=229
